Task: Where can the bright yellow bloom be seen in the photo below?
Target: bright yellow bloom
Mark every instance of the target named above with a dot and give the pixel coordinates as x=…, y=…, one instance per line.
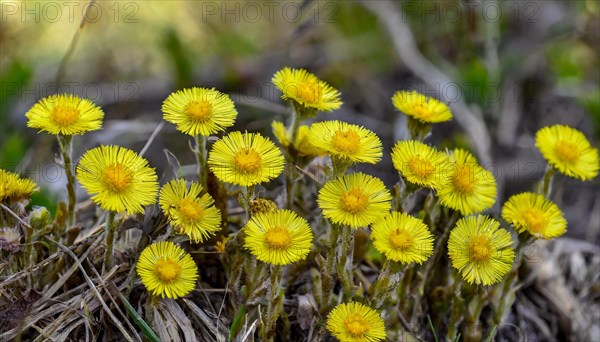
x=245, y=159
x=535, y=214
x=349, y=142
x=468, y=187
x=421, y=107
x=355, y=322
x=189, y=212
x=279, y=238
x=199, y=111
x=65, y=114
x=306, y=89
x=118, y=179
x=356, y=200
x=481, y=251
x=419, y=163
x=167, y=270
x=568, y=151
x=301, y=146
x=402, y=238
x=13, y=188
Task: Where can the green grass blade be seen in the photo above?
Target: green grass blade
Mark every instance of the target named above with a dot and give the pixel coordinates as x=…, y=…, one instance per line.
x=146, y=330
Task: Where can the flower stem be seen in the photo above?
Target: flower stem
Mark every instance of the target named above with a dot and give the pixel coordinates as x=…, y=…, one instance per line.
x=547, y=181
x=290, y=174
x=66, y=148
x=329, y=277
x=456, y=310
x=110, y=239
x=344, y=265
x=268, y=329
x=202, y=166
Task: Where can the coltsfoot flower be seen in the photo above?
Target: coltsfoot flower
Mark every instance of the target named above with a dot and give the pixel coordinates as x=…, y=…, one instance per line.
x=13, y=188
x=167, y=270
x=279, y=238
x=245, y=159
x=65, y=114
x=419, y=163
x=568, y=151
x=355, y=322
x=468, y=187
x=118, y=179
x=420, y=107
x=402, y=238
x=480, y=250
x=188, y=211
x=307, y=91
x=199, y=111
x=356, y=200
x=535, y=214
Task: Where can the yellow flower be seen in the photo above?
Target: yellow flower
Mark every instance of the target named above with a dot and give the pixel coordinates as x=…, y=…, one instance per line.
x=481, y=250
x=118, y=179
x=302, y=146
x=421, y=107
x=535, y=214
x=345, y=141
x=419, y=163
x=14, y=188
x=355, y=322
x=167, y=270
x=189, y=212
x=306, y=90
x=199, y=111
x=568, y=151
x=402, y=238
x=65, y=114
x=356, y=200
x=279, y=238
x=468, y=187
x=245, y=159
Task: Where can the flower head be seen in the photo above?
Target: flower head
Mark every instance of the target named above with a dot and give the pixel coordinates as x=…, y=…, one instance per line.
x=65, y=114
x=481, y=250
x=568, y=151
x=345, y=141
x=468, y=187
x=356, y=200
x=279, y=238
x=419, y=163
x=13, y=188
x=402, y=238
x=188, y=211
x=306, y=90
x=355, y=322
x=118, y=179
x=421, y=107
x=199, y=111
x=302, y=146
x=535, y=214
x=167, y=270
x=245, y=159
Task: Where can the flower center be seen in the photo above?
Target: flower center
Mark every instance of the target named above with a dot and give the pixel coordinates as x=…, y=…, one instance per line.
x=480, y=248
x=535, y=220
x=401, y=239
x=64, y=116
x=190, y=209
x=167, y=269
x=356, y=325
x=199, y=110
x=346, y=141
x=117, y=177
x=464, y=179
x=308, y=92
x=421, y=110
x=567, y=151
x=421, y=167
x=278, y=238
x=354, y=201
x=247, y=161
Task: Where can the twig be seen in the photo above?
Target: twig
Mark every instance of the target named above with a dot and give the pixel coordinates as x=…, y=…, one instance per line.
x=404, y=42
x=152, y=137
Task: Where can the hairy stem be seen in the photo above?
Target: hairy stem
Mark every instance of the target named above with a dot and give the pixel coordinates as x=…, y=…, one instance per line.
x=66, y=149
x=202, y=162
x=110, y=239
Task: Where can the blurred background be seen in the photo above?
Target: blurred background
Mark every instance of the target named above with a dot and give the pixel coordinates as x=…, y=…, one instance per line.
x=507, y=68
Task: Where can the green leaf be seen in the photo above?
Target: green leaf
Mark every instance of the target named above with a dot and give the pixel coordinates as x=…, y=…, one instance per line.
x=237, y=322
x=146, y=330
